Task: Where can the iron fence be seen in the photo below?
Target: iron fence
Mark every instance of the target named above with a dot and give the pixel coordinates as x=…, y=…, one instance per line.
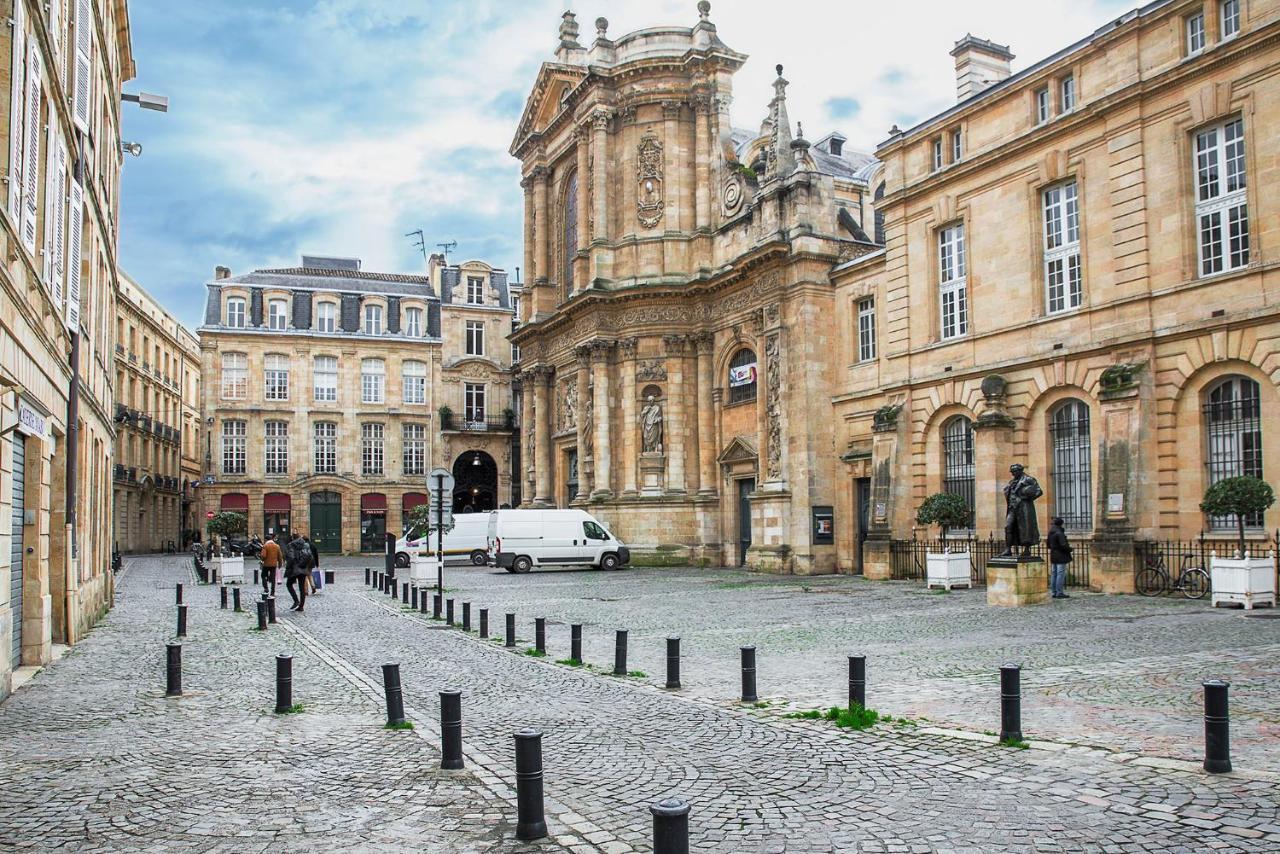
x=907, y=558
x=1174, y=556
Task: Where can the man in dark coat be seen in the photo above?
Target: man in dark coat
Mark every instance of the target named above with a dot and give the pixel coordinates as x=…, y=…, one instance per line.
x=298, y=568
x=1059, y=557
x=1020, y=526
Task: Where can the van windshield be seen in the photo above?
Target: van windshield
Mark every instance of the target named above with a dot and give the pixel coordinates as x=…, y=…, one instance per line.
x=594, y=531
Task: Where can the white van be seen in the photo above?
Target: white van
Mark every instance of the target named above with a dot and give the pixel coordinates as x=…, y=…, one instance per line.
x=519, y=540
x=467, y=542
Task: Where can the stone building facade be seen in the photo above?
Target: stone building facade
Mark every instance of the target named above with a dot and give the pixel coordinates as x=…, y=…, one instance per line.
x=674, y=327
x=157, y=463
x=1077, y=274
x=63, y=69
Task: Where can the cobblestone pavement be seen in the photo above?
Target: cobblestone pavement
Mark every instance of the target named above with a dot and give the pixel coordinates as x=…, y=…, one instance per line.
x=120, y=767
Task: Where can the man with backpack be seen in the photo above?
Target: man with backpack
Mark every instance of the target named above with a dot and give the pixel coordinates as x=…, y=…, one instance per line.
x=298, y=564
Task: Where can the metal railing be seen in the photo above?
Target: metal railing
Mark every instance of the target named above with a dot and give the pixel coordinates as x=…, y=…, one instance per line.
x=907, y=558
x=1176, y=555
x=484, y=425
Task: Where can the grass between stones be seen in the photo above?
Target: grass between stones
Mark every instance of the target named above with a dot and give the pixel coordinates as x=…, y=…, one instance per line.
x=535, y=653
x=401, y=725
x=1016, y=743
x=855, y=717
x=572, y=662
x=292, y=710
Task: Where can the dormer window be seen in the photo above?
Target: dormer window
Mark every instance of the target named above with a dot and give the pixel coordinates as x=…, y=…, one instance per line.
x=373, y=320
x=326, y=316
x=836, y=146
x=413, y=322
x=475, y=290
x=277, y=314
x=235, y=312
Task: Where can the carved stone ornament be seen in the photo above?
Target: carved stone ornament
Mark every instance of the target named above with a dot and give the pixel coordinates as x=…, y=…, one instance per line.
x=649, y=197
x=733, y=194
x=651, y=370
x=568, y=406
x=773, y=407
x=886, y=418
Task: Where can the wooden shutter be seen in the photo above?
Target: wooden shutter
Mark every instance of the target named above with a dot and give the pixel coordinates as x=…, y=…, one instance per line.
x=57, y=31
x=17, y=109
x=76, y=212
x=31, y=158
x=83, y=69
x=47, y=267
x=59, y=202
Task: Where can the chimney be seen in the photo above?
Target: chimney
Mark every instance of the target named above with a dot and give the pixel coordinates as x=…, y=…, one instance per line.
x=980, y=64
x=221, y=272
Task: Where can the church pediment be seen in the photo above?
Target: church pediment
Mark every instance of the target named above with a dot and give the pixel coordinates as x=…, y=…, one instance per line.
x=740, y=450
x=544, y=102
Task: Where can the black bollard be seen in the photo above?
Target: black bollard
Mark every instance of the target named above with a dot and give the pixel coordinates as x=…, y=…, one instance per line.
x=173, y=670
x=404, y=593
x=329, y=576
x=484, y=623
x=436, y=599
x=448, y=612
x=451, y=730
x=395, y=697
x=222, y=595
x=620, y=653
x=749, y=674
x=530, y=820
x=255, y=578
x=857, y=681
x=235, y=599
x=540, y=634
x=466, y=616
x=368, y=576
x=670, y=826
x=511, y=630
x=262, y=614
x=422, y=602
x=413, y=598
x=182, y=621
x=1010, y=702
x=284, y=683
x=377, y=581
x=178, y=591
x=271, y=609
x=575, y=642
x=673, y=664
x=1217, y=727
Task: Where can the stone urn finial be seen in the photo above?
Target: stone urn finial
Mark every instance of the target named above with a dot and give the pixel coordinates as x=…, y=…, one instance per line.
x=704, y=10
x=602, y=27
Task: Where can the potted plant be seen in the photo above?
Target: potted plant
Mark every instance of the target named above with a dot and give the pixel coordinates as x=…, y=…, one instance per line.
x=446, y=418
x=1244, y=580
x=225, y=524
x=509, y=417
x=946, y=569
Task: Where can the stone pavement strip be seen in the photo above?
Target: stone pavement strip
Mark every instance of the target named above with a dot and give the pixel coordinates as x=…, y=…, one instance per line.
x=96, y=759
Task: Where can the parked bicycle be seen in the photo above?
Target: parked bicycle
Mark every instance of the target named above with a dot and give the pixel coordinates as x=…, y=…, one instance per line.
x=1154, y=579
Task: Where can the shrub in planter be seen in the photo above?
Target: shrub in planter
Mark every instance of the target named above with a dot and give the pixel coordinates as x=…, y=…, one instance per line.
x=446, y=418
x=945, y=510
x=1239, y=497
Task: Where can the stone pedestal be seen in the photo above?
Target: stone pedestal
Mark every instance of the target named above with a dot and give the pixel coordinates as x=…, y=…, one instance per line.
x=876, y=559
x=653, y=467
x=1017, y=582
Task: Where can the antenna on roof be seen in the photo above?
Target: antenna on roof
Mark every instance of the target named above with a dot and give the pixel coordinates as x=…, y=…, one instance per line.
x=447, y=246
x=420, y=244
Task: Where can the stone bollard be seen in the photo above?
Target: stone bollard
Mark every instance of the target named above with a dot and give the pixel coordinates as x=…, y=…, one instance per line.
x=262, y=614
x=173, y=670
x=368, y=576
x=857, y=681
x=451, y=730
x=620, y=653
x=271, y=609
x=670, y=826
x=749, y=674
x=182, y=621
x=222, y=596
x=413, y=598
x=235, y=599
x=284, y=683
x=530, y=820
x=1010, y=702
x=511, y=630
x=178, y=591
x=575, y=642
x=395, y=697
x=448, y=612
x=540, y=634
x=673, y=665
x=1217, y=727
x=436, y=600
x=466, y=616
x=484, y=623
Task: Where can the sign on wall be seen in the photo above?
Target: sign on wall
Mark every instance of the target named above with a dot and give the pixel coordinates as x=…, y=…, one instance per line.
x=824, y=525
x=742, y=375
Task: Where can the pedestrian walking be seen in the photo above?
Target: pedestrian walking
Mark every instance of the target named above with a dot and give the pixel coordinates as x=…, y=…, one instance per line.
x=271, y=558
x=298, y=567
x=317, y=577
x=1059, y=557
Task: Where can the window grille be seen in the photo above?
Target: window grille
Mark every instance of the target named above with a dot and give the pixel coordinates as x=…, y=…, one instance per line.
x=1233, y=425
x=743, y=364
x=957, y=460
x=1072, y=465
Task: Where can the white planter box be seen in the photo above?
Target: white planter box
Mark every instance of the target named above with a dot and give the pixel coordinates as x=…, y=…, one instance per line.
x=423, y=569
x=950, y=569
x=1249, y=582
x=230, y=569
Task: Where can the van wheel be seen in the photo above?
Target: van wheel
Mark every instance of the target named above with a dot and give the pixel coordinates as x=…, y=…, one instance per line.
x=522, y=564
x=479, y=558
x=609, y=561
x=402, y=559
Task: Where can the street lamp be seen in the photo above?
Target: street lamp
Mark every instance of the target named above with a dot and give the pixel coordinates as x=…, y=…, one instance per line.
x=147, y=101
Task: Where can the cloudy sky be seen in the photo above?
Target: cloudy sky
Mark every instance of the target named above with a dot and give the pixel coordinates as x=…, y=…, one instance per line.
x=336, y=126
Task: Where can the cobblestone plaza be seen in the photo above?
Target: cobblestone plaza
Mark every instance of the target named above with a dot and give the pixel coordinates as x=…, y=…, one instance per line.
x=98, y=759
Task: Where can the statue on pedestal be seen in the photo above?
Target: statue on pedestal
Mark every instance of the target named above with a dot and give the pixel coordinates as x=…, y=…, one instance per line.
x=1020, y=526
x=651, y=426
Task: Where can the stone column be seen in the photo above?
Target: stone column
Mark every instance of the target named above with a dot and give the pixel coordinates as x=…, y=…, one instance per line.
x=603, y=411
x=527, y=185
x=582, y=140
x=541, y=385
x=600, y=267
x=542, y=224
x=1120, y=462
x=672, y=165
x=702, y=161
x=583, y=414
x=675, y=346
x=627, y=391
x=704, y=342
x=528, y=385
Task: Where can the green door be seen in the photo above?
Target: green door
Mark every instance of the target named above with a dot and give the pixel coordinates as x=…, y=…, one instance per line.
x=326, y=521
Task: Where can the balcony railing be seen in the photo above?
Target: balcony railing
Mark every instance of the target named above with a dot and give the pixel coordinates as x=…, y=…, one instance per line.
x=478, y=425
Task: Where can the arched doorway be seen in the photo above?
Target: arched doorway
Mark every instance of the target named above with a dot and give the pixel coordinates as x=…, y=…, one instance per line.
x=475, y=476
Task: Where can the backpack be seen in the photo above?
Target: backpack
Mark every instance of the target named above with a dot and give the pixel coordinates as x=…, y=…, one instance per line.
x=302, y=553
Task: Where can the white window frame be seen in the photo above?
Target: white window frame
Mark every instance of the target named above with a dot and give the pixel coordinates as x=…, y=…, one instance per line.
x=372, y=448
x=414, y=445
x=1194, y=26
x=235, y=376
x=1067, y=92
x=1222, y=203
x=953, y=296
x=373, y=316
x=957, y=145
x=373, y=381
x=413, y=322
x=414, y=380
x=324, y=382
x=474, y=403
x=936, y=147
x=1229, y=19
x=1060, y=226
x=326, y=316
x=325, y=441
x=475, y=337
x=475, y=290
x=1042, y=105
x=866, y=329
x=236, y=308
x=277, y=321
x=275, y=446
x=275, y=376
x=234, y=446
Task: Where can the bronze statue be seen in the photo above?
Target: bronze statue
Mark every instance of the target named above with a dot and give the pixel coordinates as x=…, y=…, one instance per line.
x=1020, y=526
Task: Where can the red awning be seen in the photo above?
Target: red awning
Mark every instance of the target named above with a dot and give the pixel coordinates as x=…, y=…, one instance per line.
x=275, y=502
x=413, y=499
x=237, y=501
x=373, y=501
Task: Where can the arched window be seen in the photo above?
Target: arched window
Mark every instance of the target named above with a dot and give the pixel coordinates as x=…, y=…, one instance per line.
x=957, y=459
x=326, y=316
x=742, y=376
x=570, y=230
x=1072, y=473
x=1233, y=424
x=235, y=314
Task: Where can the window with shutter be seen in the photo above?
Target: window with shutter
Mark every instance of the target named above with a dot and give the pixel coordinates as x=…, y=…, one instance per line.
x=76, y=213
x=83, y=68
x=56, y=30
x=50, y=206
x=17, y=109
x=31, y=157
x=59, y=202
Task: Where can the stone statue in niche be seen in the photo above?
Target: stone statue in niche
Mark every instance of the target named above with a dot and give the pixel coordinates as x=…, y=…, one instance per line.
x=588, y=437
x=568, y=406
x=651, y=426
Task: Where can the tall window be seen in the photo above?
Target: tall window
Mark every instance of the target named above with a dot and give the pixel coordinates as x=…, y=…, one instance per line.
x=866, y=329
x=475, y=337
x=235, y=313
x=1064, y=286
x=415, y=449
x=1042, y=105
x=515, y=354
x=325, y=440
x=415, y=382
x=957, y=460
x=277, y=447
x=570, y=231
x=1233, y=423
x=276, y=376
x=325, y=379
x=373, y=381
x=1229, y=15
x=373, y=320
x=475, y=290
x=277, y=314
x=515, y=312
x=473, y=402
x=1195, y=33
x=742, y=376
x=327, y=316
x=937, y=154
x=953, y=282
x=1068, y=94
x=413, y=322
x=233, y=447
x=957, y=146
x=371, y=440
x=235, y=375
x=1222, y=210
x=1072, y=474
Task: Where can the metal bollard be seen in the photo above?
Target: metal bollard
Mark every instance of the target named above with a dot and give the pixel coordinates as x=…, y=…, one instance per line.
x=178, y=590
x=404, y=593
x=422, y=602
x=620, y=653
x=173, y=670
x=1217, y=727
x=484, y=623
x=540, y=634
x=413, y=599
x=466, y=616
x=530, y=820
x=222, y=595
x=575, y=642
x=182, y=621
x=255, y=578
x=235, y=599
x=262, y=614
x=329, y=576
x=451, y=730
x=673, y=666
x=368, y=576
x=448, y=612
x=271, y=609
x=511, y=630
x=436, y=599
x=284, y=683
x=1010, y=702
x=857, y=681
x=395, y=697
x=670, y=826
x=749, y=674
x=377, y=581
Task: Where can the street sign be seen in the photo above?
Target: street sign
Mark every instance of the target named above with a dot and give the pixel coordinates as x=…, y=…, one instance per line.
x=446, y=485
x=440, y=485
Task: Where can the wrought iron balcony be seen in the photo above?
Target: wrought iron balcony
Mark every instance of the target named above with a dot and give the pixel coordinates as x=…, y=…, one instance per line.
x=478, y=425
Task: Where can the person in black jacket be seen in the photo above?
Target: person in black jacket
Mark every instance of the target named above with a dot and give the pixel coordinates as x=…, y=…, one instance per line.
x=1059, y=557
x=297, y=569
